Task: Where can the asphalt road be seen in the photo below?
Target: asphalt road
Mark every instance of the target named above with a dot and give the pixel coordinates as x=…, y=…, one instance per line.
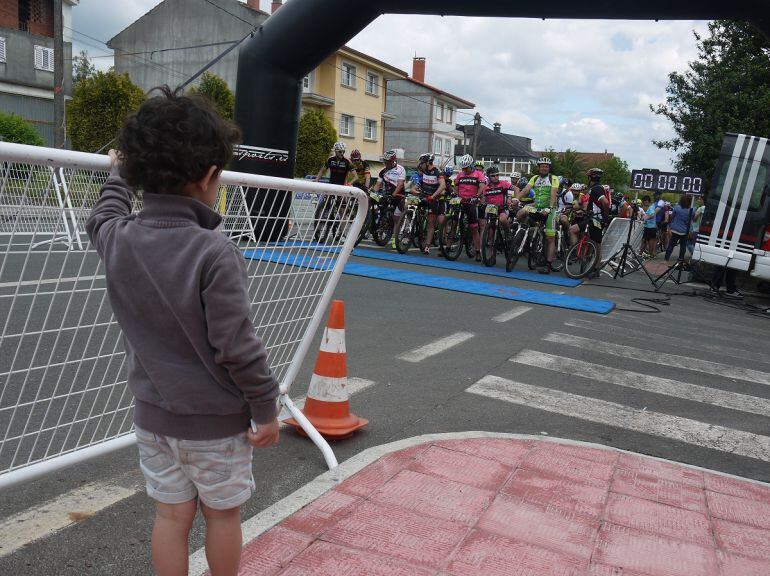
x=386, y=320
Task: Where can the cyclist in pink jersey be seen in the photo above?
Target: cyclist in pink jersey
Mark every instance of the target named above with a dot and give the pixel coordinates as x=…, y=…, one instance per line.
x=497, y=192
x=470, y=183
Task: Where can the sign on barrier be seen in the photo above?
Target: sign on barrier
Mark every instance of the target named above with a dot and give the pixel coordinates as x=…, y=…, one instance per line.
x=63, y=392
x=616, y=234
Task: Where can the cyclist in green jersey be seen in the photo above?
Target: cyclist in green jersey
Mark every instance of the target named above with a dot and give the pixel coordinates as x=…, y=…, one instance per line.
x=546, y=189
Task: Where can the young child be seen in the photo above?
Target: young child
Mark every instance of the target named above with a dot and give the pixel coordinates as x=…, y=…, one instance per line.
x=178, y=289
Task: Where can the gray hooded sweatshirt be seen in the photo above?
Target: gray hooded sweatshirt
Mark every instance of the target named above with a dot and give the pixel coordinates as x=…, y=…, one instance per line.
x=178, y=289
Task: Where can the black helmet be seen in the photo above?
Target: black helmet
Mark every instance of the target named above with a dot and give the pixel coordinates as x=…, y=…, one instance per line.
x=493, y=171
x=595, y=174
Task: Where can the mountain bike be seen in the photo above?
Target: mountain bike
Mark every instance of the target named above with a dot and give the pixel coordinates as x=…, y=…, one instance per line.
x=411, y=229
x=455, y=233
x=582, y=257
x=496, y=238
x=383, y=227
x=372, y=216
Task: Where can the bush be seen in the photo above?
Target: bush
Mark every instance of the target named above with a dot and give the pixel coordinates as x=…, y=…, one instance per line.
x=15, y=129
x=99, y=106
x=218, y=92
x=314, y=142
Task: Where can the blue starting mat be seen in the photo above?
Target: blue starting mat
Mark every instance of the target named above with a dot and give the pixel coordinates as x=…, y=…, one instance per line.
x=476, y=268
x=478, y=288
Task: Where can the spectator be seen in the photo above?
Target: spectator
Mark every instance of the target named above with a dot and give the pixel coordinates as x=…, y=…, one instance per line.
x=681, y=220
x=650, y=226
x=178, y=288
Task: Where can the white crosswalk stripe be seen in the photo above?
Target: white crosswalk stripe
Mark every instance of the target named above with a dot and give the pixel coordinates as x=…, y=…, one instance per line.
x=436, y=347
x=617, y=415
x=633, y=367
x=511, y=314
x=661, y=358
x=628, y=379
x=641, y=334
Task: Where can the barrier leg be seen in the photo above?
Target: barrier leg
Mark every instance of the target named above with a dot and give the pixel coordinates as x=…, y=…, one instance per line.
x=312, y=433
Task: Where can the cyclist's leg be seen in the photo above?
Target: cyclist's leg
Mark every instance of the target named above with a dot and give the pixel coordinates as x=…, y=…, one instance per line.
x=473, y=224
x=550, y=236
x=433, y=212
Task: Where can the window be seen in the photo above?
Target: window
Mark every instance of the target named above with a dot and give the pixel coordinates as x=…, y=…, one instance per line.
x=346, y=125
x=372, y=84
x=2, y=49
x=44, y=58
x=437, y=146
x=439, y=111
x=307, y=83
x=370, y=130
x=447, y=147
x=348, y=75
x=448, y=114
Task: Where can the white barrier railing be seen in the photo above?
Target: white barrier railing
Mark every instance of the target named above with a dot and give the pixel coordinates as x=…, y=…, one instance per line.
x=63, y=393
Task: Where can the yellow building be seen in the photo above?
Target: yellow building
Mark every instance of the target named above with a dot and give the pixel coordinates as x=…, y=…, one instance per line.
x=350, y=87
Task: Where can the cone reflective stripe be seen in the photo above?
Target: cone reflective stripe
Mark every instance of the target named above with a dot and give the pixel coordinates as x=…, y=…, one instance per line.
x=327, y=405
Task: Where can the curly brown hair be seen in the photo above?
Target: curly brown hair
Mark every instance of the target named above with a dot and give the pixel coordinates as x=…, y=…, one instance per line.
x=173, y=140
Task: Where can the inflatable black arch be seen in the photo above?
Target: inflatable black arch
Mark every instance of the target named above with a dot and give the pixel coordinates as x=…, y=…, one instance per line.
x=298, y=37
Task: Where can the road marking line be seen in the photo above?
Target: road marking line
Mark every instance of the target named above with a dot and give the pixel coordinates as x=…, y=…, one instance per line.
x=437, y=347
x=654, y=357
x=50, y=281
x=675, y=340
x=511, y=314
x=355, y=385
x=49, y=517
x=617, y=415
x=627, y=379
x=698, y=324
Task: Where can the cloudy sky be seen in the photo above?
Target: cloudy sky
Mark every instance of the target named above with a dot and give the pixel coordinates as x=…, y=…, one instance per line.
x=585, y=85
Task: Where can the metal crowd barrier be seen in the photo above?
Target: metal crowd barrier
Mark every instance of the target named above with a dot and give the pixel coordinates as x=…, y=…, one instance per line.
x=63, y=392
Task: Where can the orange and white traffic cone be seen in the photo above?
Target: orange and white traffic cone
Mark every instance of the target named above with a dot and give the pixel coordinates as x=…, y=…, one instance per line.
x=328, y=403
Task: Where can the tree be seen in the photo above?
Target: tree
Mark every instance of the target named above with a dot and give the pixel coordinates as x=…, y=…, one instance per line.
x=100, y=103
x=316, y=138
x=727, y=89
x=568, y=164
x=218, y=93
x=616, y=174
x=17, y=130
x=82, y=67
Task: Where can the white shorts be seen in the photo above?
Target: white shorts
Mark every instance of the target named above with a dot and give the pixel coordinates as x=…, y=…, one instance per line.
x=217, y=471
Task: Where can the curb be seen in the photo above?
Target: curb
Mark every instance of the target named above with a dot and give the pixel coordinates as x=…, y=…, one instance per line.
x=273, y=515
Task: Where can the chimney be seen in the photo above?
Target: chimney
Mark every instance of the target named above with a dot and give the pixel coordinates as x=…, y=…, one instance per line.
x=418, y=69
x=497, y=127
x=273, y=7
x=253, y=4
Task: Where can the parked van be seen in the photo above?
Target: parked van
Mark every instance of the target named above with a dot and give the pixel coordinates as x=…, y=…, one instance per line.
x=735, y=229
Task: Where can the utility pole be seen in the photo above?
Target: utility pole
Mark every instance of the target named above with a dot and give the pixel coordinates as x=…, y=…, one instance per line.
x=58, y=75
x=476, y=128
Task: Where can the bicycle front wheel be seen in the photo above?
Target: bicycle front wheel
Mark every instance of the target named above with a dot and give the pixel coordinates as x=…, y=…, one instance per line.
x=581, y=259
x=489, y=245
x=404, y=236
x=450, y=240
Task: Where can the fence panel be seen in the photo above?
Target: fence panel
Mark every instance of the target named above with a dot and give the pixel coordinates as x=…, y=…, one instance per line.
x=63, y=392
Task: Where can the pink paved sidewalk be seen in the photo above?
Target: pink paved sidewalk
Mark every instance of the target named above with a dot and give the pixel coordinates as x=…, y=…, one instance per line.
x=488, y=507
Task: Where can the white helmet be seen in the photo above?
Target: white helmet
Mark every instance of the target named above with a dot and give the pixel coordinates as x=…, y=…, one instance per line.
x=515, y=176
x=389, y=155
x=339, y=147
x=466, y=161
x=544, y=160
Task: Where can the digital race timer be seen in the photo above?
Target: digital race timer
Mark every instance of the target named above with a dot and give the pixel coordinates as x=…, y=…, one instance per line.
x=679, y=182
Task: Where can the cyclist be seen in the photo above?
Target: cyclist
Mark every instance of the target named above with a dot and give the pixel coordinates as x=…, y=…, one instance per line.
x=470, y=183
x=565, y=200
x=433, y=187
x=546, y=188
x=496, y=193
x=596, y=213
x=338, y=166
x=391, y=180
x=361, y=175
